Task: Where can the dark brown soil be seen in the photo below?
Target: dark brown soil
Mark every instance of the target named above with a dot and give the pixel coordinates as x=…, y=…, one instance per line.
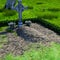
x=20, y=40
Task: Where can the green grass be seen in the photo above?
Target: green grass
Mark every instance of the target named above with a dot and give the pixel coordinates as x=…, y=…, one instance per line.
x=3, y=39
x=49, y=10
x=42, y=53
x=2, y=29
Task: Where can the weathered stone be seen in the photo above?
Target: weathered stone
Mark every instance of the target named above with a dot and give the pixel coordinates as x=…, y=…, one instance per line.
x=28, y=23
x=10, y=3
x=11, y=25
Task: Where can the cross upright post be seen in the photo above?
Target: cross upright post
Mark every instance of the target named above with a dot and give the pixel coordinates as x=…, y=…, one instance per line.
x=19, y=8
x=20, y=13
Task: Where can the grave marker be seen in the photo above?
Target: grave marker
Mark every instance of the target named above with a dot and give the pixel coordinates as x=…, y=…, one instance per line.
x=19, y=8
x=10, y=3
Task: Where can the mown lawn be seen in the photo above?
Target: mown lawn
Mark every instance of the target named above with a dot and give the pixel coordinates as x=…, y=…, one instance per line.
x=49, y=10
x=41, y=53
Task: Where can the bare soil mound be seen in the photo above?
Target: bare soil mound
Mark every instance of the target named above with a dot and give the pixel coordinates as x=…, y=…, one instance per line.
x=21, y=40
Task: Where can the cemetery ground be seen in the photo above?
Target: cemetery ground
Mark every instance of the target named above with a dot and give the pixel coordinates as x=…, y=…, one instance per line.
x=30, y=43
x=35, y=42
x=47, y=12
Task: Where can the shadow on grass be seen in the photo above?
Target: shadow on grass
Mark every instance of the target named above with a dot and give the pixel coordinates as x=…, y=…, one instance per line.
x=9, y=12
x=39, y=20
x=49, y=16
x=2, y=33
x=30, y=7
x=39, y=3
x=45, y=16
x=48, y=25
x=54, y=9
x=1, y=10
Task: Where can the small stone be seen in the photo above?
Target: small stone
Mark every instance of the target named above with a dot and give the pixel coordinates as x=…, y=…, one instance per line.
x=28, y=23
x=11, y=25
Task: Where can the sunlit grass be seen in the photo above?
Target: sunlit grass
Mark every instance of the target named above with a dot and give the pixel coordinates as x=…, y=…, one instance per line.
x=42, y=53
x=39, y=10
x=3, y=39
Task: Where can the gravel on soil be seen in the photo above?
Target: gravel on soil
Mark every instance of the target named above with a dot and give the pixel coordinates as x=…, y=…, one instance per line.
x=20, y=41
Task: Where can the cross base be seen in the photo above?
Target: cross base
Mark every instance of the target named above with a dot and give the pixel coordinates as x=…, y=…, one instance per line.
x=20, y=24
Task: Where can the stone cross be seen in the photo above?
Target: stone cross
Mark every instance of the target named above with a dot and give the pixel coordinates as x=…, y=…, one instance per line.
x=19, y=8
x=10, y=3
